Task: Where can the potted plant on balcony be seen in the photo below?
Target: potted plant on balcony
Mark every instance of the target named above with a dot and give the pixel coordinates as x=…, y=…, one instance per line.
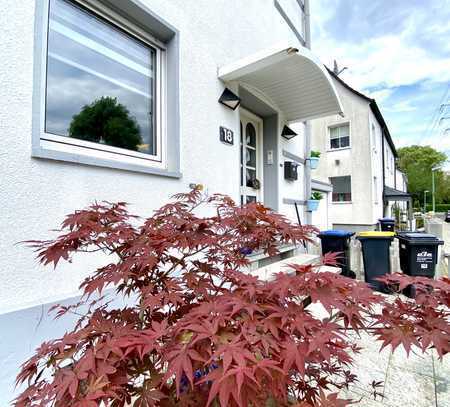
x=313, y=203
x=314, y=159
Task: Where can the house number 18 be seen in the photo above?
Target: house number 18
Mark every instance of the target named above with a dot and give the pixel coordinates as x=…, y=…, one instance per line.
x=226, y=135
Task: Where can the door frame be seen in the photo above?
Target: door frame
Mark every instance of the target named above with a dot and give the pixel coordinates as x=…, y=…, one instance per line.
x=259, y=152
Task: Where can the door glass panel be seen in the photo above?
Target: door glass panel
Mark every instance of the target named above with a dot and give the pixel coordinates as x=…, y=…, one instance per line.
x=250, y=157
x=249, y=161
x=250, y=176
x=250, y=135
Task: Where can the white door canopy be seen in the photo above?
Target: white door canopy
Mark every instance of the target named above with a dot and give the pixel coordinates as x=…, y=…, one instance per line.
x=290, y=77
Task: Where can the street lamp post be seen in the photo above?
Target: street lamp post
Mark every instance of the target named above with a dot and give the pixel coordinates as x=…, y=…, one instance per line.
x=425, y=201
x=433, y=187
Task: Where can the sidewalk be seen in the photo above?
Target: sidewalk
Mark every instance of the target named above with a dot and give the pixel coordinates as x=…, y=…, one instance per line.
x=420, y=380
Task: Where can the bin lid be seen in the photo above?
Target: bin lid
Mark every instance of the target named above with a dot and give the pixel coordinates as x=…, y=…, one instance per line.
x=418, y=235
x=419, y=238
x=336, y=233
x=386, y=220
x=376, y=234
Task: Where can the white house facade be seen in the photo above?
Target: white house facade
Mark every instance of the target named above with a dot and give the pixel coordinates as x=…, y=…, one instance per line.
x=357, y=162
x=158, y=68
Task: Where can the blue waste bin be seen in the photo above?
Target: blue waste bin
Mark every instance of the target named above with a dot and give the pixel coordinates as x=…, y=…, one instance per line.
x=387, y=224
x=338, y=241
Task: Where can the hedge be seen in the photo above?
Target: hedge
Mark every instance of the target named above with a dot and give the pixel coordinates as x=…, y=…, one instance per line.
x=439, y=207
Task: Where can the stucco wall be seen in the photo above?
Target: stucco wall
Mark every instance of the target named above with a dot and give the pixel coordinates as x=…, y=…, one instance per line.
x=376, y=146
x=35, y=194
x=389, y=165
x=355, y=160
x=293, y=190
x=400, y=182
x=321, y=218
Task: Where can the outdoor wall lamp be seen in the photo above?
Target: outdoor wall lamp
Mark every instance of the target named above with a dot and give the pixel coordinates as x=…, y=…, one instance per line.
x=288, y=133
x=229, y=99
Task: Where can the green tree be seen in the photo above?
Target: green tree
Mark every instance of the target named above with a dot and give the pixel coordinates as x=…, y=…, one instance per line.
x=108, y=122
x=416, y=162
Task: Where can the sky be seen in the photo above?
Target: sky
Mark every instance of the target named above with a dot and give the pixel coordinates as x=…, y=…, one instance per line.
x=396, y=51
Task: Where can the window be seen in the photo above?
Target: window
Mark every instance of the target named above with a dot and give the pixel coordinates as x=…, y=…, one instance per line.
x=342, y=189
x=103, y=85
x=340, y=136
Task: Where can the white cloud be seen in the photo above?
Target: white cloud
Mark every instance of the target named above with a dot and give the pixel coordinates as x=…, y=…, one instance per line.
x=380, y=95
x=385, y=59
x=404, y=106
x=397, y=54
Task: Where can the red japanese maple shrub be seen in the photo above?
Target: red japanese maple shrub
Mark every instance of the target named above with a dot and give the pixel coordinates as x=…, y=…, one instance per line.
x=198, y=329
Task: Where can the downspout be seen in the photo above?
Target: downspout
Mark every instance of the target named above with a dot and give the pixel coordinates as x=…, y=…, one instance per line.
x=307, y=25
x=395, y=173
x=308, y=129
x=384, y=175
x=307, y=168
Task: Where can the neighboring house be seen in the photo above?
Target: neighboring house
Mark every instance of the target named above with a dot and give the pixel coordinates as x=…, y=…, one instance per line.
x=357, y=163
x=79, y=75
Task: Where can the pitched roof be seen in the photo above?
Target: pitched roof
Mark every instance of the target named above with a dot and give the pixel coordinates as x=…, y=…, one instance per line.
x=373, y=106
x=392, y=194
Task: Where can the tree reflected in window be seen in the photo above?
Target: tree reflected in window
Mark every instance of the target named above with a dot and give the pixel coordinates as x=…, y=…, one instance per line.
x=107, y=122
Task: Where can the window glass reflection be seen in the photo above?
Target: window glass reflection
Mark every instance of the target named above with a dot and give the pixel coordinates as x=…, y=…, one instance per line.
x=250, y=156
x=99, y=81
x=250, y=135
x=250, y=178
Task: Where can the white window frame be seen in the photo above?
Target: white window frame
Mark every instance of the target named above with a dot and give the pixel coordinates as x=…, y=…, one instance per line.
x=92, y=150
x=335, y=125
x=351, y=190
x=249, y=117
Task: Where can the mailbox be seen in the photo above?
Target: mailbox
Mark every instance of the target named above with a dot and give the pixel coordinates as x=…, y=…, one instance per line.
x=290, y=170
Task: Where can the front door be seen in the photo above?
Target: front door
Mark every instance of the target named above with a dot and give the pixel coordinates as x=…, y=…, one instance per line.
x=251, y=157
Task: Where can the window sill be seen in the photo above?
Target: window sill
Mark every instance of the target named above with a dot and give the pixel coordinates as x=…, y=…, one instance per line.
x=330, y=150
x=50, y=154
x=341, y=202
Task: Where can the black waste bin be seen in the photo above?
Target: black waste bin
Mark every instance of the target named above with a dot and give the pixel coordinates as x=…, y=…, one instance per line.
x=387, y=224
x=447, y=217
x=376, y=257
x=338, y=241
x=418, y=256
x=418, y=253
